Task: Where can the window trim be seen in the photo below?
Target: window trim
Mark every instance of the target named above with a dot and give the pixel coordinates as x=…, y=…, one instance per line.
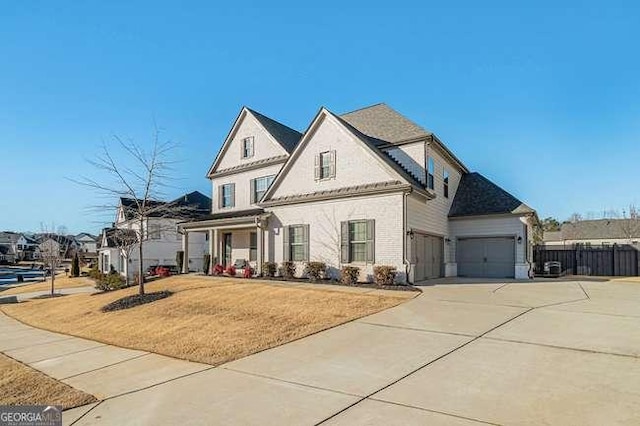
x=243, y=152
x=319, y=166
x=254, y=187
x=445, y=182
x=431, y=170
x=288, y=245
x=231, y=188
x=360, y=242
x=296, y=244
x=346, y=253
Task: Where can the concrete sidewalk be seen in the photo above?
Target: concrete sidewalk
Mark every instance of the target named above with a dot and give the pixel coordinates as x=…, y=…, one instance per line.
x=497, y=353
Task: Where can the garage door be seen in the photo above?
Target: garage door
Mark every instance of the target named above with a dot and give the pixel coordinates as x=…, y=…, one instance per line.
x=486, y=257
x=429, y=251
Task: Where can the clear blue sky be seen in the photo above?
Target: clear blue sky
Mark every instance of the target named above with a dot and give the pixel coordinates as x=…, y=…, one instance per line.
x=543, y=99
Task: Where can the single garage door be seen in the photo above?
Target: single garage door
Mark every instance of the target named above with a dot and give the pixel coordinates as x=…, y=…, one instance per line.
x=429, y=257
x=486, y=257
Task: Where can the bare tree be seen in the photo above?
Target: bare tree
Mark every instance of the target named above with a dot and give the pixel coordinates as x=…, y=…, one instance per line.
x=138, y=174
x=630, y=223
x=53, y=250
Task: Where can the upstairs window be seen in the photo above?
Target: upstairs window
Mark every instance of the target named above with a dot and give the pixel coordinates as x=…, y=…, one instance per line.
x=431, y=168
x=247, y=147
x=445, y=183
x=154, y=231
x=325, y=165
x=226, y=195
x=259, y=186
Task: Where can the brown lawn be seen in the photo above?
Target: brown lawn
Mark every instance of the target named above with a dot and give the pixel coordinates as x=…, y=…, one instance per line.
x=205, y=320
x=22, y=385
x=61, y=282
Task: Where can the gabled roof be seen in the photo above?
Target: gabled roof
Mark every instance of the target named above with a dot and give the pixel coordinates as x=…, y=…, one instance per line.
x=596, y=229
x=478, y=196
x=284, y=135
x=383, y=123
x=359, y=136
x=85, y=235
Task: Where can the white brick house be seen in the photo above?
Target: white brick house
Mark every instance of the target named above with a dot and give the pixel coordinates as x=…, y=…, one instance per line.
x=365, y=188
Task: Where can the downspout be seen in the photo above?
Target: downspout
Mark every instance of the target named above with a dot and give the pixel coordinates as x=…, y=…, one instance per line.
x=407, y=263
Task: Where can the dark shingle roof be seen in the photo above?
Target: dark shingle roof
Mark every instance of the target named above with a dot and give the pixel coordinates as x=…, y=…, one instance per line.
x=477, y=196
x=383, y=123
x=195, y=204
x=285, y=135
x=231, y=215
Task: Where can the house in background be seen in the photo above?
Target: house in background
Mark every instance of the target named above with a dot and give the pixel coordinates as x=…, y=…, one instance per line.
x=595, y=232
x=66, y=244
x=21, y=246
x=87, y=247
x=365, y=188
x=160, y=233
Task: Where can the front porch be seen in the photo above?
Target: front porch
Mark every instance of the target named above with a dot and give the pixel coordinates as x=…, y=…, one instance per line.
x=236, y=238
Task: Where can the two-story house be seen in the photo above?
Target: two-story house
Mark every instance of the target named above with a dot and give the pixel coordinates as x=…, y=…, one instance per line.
x=159, y=232
x=364, y=188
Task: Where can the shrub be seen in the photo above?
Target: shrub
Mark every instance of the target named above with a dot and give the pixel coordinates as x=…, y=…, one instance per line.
x=269, y=269
x=315, y=270
x=349, y=275
x=384, y=275
x=110, y=281
x=206, y=262
x=75, y=266
x=231, y=271
x=287, y=270
x=218, y=269
x=94, y=273
x=248, y=272
x=180, y=260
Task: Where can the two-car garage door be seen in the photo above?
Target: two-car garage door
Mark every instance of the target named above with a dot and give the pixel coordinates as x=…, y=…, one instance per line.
x=486, y=257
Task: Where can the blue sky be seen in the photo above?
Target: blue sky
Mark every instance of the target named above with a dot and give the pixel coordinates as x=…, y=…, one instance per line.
x=543, y=99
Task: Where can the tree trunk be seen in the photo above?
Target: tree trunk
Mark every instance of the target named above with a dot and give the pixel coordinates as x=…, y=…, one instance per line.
x=140, y=265
x=53, y=278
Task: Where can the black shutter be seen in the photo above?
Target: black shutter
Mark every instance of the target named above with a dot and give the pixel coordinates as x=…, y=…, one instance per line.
x=252, y=189
x=286, y=251
x=305, y=239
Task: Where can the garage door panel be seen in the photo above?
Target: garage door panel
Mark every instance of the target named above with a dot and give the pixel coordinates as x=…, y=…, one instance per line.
x=486, y=257
x=429, y=252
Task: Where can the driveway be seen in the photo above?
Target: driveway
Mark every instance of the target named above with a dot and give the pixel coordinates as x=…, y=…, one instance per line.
x=562, y=352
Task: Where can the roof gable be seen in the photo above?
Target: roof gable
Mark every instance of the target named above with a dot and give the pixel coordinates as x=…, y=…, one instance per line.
x=478, y=196
x=271, y=139
x=328, y=132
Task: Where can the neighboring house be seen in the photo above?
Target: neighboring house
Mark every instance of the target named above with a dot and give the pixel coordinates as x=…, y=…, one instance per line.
x=66, y=245
x=87, y=246
x=6, y=254
x=161, y=238
x=21, y=246
x=595, y=232
x=365, y=188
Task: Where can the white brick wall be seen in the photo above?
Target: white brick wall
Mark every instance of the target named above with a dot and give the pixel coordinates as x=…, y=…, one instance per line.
x=324, y=220
x=243, y=187
x=264, y=146
x=355, y=164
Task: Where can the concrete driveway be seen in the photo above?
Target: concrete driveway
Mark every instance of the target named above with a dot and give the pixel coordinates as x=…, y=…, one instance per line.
x=561, y=352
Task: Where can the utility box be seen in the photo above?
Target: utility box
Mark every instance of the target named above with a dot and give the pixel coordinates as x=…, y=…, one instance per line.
x=552, y=269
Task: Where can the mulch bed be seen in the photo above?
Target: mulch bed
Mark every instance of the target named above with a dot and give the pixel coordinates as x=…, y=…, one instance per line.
x=135, y=300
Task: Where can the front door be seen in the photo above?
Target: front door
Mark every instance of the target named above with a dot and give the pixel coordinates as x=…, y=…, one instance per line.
x=226, y=249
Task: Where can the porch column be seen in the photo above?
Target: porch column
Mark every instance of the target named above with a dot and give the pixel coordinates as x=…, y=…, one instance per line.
x=212, y=249
x=260, y=256
x=215, y=257
x=185, y=249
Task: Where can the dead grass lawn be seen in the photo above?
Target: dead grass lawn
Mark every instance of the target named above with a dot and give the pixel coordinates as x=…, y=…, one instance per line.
x=21, y=385
x=61, y=282
x=205, y=320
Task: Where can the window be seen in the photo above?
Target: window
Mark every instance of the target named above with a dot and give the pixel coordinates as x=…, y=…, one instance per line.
x=296, y=243
x=154, y=231
x=259, y=186
x=325, y=166
x=247, y=147
x=357, y=241
x=431, y=167
x=227, y=195
x=253, y=246
x=445, y=183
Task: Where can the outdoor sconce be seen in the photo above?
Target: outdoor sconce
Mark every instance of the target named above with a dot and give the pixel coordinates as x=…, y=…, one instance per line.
x=410, y=234
x=447, y=240
x=519, y=240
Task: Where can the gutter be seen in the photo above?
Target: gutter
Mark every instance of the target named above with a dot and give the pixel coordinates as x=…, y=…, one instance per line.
x=407, y=263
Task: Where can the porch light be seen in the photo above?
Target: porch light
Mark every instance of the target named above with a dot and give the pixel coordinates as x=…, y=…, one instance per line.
x=410, y=234
x=519, y=240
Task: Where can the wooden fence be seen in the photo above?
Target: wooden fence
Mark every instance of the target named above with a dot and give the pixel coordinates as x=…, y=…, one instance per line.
x=615, y=260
